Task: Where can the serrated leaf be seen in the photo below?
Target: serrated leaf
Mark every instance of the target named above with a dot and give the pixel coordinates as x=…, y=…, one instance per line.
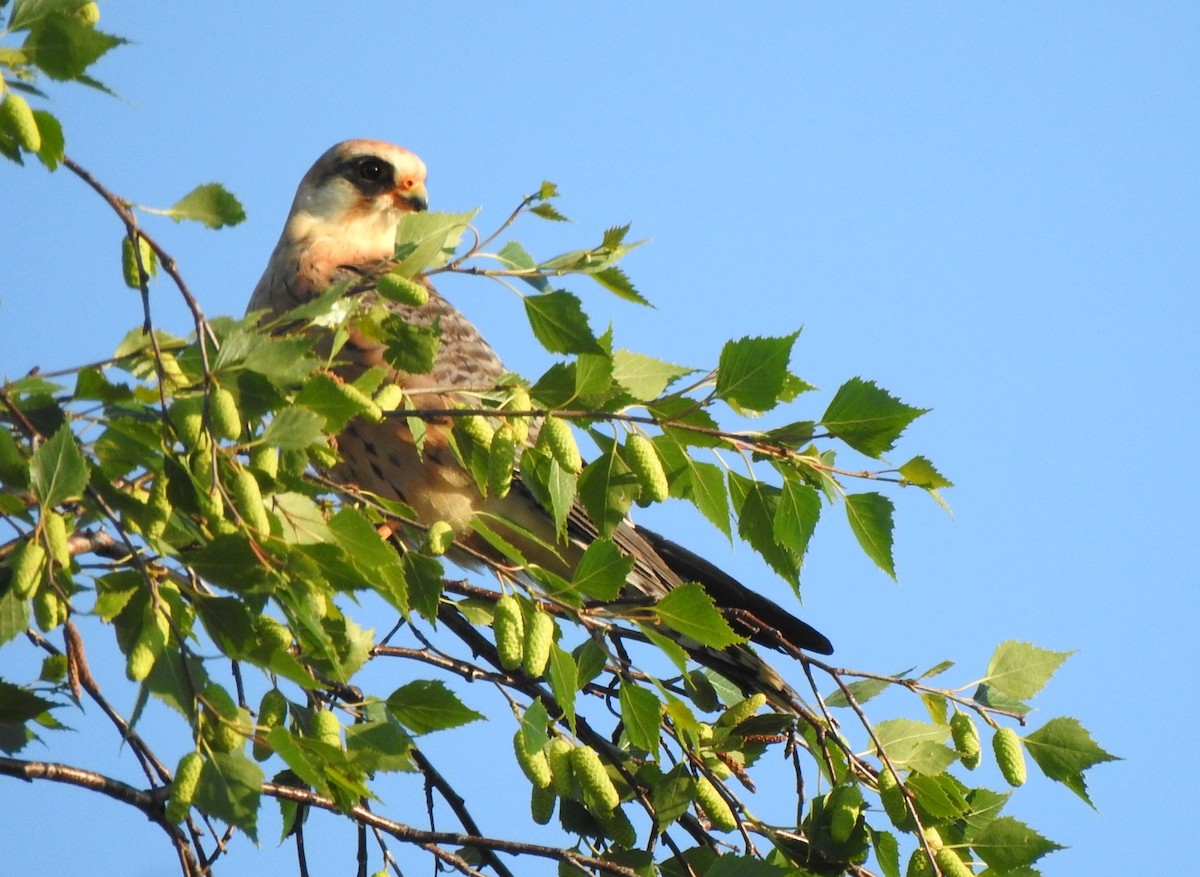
x=920, y=472
x=231, y=562
x=938, y=797
x=617, y=282
x=867, y=417
x=559, y=323
x=551, y=485
x=64, y=47
x=515, y=256
x=689, y=610
x=548, y=211
x=229, y=789
x=887, y=851
x=423, y=576
x=1063, y=749
x=28, y=12
x=672, y=794
x=641, y=713
x=564, y=681
x=796, y=516
x=1020, y=669
x=862, y=690
x=644, y=377
x=411, y=348
x=986, y=695
x=426, y=705
x=58, y=470
x=380, y=746
x=915, y=745
x=426, y=240
x=301, y=518
x=50, y=153
x=602, y=571
x=19, y=705
x=14, y=615
x=607, y=489
x=295, y=428
x=752, y=372
x=533, y=726
x=870, y=517
x=756, y=504
x=14, y=470
x=211, y=204
x=1007, y=844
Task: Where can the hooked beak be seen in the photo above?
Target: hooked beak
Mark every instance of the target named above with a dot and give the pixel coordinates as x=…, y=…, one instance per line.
x=412, y=194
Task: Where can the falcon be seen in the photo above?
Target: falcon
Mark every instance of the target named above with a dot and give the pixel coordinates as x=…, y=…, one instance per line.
x=342, y=227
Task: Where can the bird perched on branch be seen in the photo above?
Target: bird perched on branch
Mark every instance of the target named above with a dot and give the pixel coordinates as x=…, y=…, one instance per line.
x=342, y=226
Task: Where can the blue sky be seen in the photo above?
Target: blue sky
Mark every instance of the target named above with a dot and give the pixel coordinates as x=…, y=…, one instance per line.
x=992, y=210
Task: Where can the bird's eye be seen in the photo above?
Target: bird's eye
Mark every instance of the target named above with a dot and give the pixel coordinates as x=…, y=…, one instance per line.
x=371, y=170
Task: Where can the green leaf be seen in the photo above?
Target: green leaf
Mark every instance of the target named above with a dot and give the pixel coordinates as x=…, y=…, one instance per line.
x=51, y=152
x=705, y=489
x=645, y=377
x=323, y=395
x=672, y=794
x=617, y=282
x=64, y=47
x=411, y=348
x=1063, y=749
x=229, y=789
x=550, y=484
x=757, y=504
x=533, y=726
x=1021, y=670
x=887, y=852
x=14, y=470
x=988, y=696
x=559, y=323
x=14, y=615
x=870, y=516
x=915, y=745
x=58, y=470
x=920, y=472
x=602, y=571
x=426, y=705
x=689, y=610
x=564, y=681
x=867, y=417
x=231, y=562
x=641, y=713
x=548, y=211
x=1007, y=844
x=607, y=489
x=380, y=746
x=426, y=240
x=376, y=560
x=211, y=204
x=301, y=518
x=28, y=12
x=796, y=516
x=938, y=797
x=295, y=428
x=423, y=575
x=752, y=372
x=863, y=690
x=18, y=705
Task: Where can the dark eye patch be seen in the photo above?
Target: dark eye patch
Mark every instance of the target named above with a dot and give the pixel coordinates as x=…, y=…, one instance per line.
x=370, y=174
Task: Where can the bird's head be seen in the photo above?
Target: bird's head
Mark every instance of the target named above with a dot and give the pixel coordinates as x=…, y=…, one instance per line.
x=354, y=196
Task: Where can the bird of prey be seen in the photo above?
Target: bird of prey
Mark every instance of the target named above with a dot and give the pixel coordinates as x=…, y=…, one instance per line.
x=342, y=226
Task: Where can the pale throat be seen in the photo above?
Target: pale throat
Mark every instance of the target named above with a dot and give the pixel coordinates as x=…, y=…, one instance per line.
x=354, y=238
